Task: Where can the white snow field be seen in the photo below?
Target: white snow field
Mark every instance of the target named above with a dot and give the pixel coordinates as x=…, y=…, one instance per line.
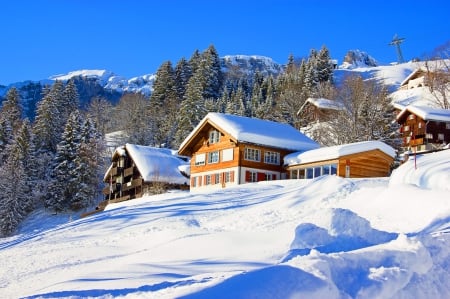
x=324, y=238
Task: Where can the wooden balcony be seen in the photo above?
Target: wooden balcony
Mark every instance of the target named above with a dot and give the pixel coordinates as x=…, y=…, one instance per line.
x=128, y=172
x=132, y=184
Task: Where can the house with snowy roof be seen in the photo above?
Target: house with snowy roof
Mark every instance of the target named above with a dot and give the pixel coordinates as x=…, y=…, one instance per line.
x=353, y=160
x=230, y=150
x=136, y=170
x=319, y=109
x=424, y=128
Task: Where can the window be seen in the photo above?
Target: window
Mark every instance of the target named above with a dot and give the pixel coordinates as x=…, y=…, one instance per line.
x=207, y=179
x=272, y=158
x=440, y=136
x=227, y=177
x=447, y=126
x=227, y=155
x=216, y=178
x=420, y=125
x=213, y=157
x=199, y=159
x=309, y=173
x=253, y=176
x=294, y=174
x=326, y=169
x=429, y=136
x=251, y=154
x=214, y=136
x=317, y=171
x=406, y=128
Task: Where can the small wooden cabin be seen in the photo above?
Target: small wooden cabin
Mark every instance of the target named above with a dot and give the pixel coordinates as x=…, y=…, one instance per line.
x=136, y=170
x=230, y=150
x=424, y=128
x=354, y=160
x=416, y=79
x=319, y=109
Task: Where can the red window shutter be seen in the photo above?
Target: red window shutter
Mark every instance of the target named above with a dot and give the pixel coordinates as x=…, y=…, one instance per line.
x=204, y=180
x=192, y=181
x=213, y=179
x=231, y=176
x=248, y=176
x=199, y=181
x=261, y=176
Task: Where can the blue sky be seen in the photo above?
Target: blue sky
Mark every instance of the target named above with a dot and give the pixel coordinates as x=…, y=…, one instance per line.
x=132, y=37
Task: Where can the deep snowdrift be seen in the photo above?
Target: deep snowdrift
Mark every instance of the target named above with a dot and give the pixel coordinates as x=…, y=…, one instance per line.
x=323, y=238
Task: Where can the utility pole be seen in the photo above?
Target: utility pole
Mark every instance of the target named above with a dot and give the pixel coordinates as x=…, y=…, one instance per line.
x=396, y=41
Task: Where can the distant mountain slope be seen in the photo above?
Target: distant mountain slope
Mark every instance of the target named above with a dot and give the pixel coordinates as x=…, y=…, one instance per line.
x=107, y=84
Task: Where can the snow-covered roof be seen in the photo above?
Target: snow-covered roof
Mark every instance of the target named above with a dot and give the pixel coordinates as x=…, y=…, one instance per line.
x=257, y=131
x=157, y=164
x=325, y=103
x=427, y=113
x=334, y=152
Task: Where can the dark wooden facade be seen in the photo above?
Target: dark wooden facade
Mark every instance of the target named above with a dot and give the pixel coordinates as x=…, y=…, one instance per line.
x=124, y=181
x=421, y=133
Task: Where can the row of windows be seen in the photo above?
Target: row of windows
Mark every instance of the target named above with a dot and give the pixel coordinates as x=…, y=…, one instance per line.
x=212, y=179
x=250, y=154
x=214, y=157
x=313, y=172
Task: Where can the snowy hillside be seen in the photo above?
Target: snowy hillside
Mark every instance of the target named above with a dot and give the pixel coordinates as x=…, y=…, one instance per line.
x=324, y=238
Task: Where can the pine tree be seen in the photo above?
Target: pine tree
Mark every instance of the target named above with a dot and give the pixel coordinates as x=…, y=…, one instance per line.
x=323, y=66
x=212, y=76
x=86, y=166
x=6, y=137
x=15, y=202
x=23, y=150
x=12, y=109
x=192, y=109
x=12, y=195
x=183, y=72
x=163, y=105
x=63, y=184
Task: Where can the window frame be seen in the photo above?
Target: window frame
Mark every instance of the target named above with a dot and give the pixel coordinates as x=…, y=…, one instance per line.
x=271, y=157
x=214, y=136
x=252, y=154
x=212, y=156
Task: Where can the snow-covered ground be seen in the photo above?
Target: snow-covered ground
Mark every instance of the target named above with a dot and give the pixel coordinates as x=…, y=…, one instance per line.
x=324, y=238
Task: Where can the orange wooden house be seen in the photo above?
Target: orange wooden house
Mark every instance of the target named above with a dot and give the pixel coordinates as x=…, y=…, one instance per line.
x=230, y=150
x=354, y=160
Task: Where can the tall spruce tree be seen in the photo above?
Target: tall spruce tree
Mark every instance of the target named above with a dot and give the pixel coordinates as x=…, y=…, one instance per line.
x=63, y=184
x=12, y=109
x=15, y=199
x=163, y=106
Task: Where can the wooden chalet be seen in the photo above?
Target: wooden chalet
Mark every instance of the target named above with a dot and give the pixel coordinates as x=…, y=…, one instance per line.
x=319, y=109
x=230, y=150
x=354, y=160
x=424, y=128
x=136, y=170
x=416, y=79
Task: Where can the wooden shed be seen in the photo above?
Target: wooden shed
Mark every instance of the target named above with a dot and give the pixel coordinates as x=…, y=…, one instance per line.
x=354, y=160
